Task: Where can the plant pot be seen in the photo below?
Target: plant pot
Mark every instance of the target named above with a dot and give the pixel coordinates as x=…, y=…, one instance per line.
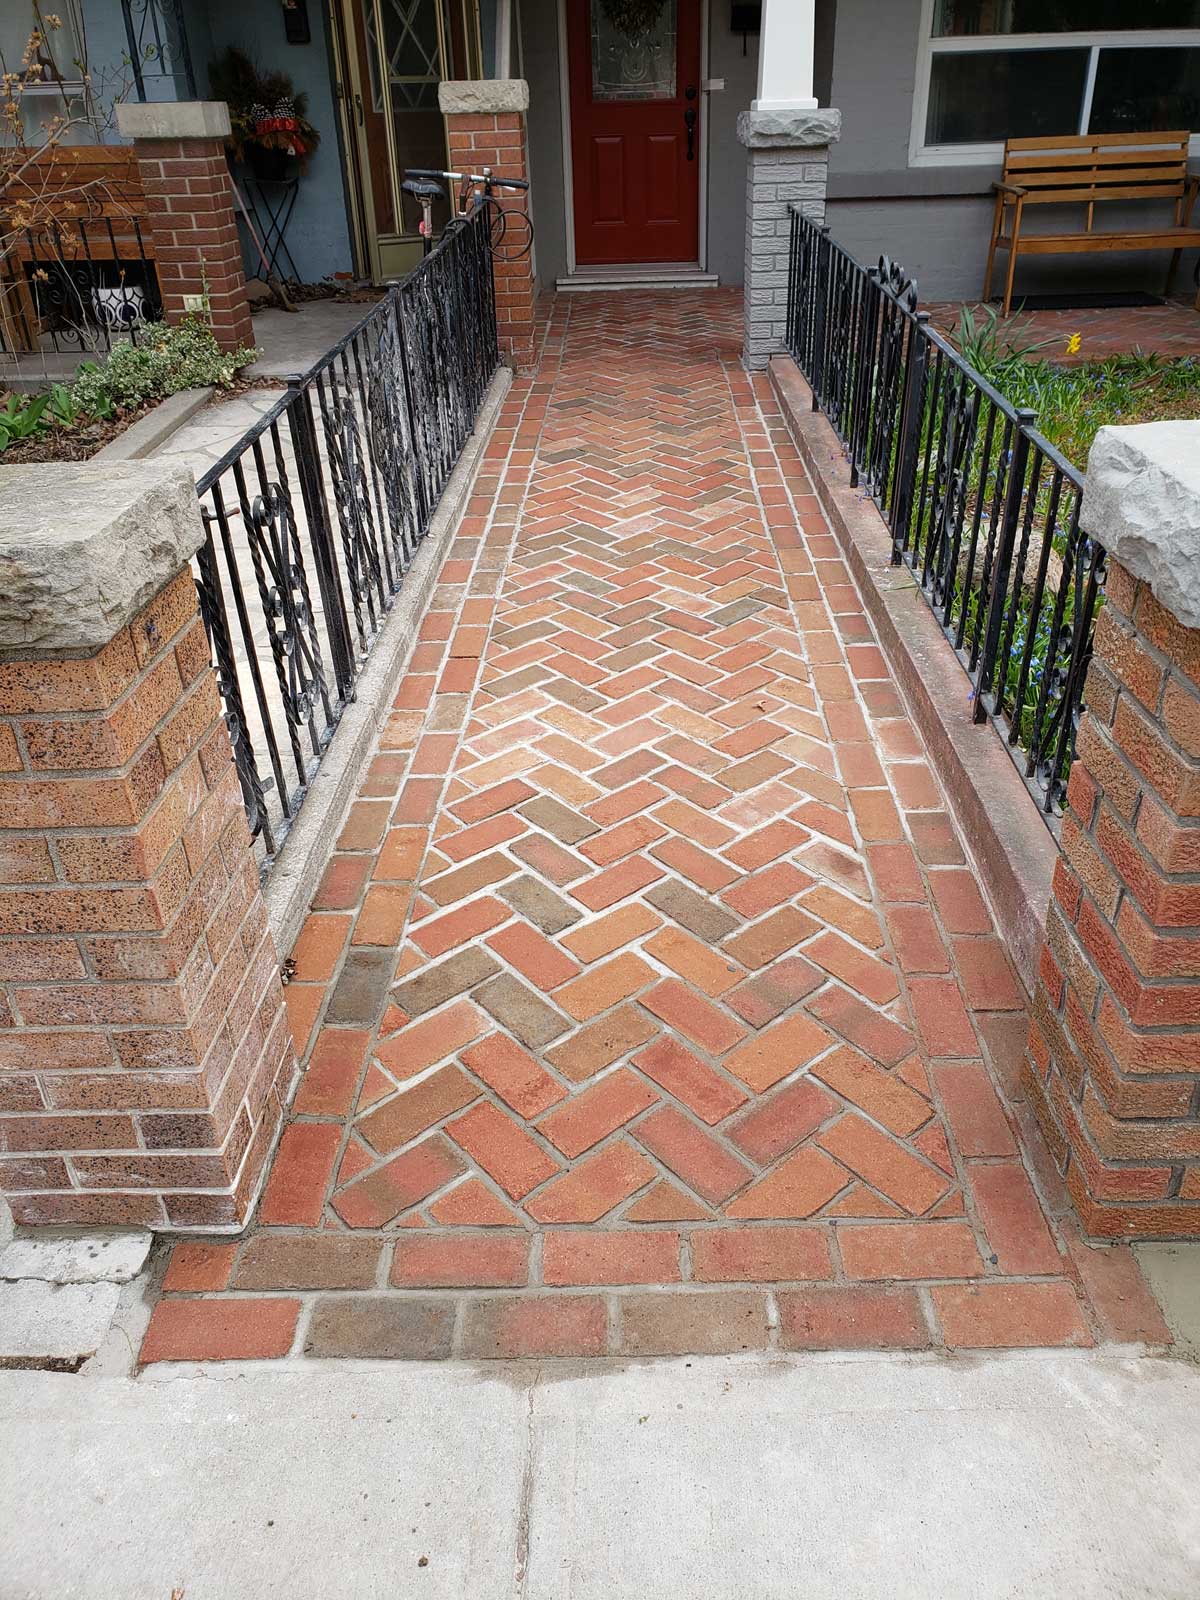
x=268, y=165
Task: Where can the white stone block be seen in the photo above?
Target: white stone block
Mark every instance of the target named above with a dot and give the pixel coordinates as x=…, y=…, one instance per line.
x=1141, y=499
x=84, y=547
x=77, y=1258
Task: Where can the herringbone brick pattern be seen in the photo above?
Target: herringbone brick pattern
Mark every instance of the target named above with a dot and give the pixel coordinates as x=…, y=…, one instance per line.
x=649, y=962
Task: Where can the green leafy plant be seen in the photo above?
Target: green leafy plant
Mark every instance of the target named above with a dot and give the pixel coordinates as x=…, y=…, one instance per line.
x=21, y=419
x=165, y=360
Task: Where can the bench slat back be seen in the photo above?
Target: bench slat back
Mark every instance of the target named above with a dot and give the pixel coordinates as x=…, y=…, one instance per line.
x=1098, y=166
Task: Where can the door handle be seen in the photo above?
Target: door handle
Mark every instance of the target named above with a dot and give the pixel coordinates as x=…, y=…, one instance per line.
x=359, y=108
x=689, y=122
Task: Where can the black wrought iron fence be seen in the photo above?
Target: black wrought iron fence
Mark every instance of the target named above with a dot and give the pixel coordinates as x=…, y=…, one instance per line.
x=314, y=516
x=981, y=507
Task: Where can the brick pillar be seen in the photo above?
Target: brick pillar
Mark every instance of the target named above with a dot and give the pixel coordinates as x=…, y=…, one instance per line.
x=189, y=206
x=788, y=159
x=485, y=125
x=144, y=1047
x=1113, y=1066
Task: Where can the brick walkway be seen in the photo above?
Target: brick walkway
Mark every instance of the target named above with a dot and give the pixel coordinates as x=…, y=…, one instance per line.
x=649, y=1003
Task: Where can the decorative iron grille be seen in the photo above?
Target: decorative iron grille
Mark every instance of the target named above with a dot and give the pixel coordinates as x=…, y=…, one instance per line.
x=77, y=286
x=982, y=508
x=160, y=57
x=314, y=516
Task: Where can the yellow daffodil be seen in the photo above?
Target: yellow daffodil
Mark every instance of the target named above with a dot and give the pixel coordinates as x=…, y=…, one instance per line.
x=1073, y=344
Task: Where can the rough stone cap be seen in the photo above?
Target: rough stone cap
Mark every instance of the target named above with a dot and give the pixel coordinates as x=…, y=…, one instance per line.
x=1141, y=499
x=173, y=119
x=789, y=130
x=84, y=547
x=483, y=95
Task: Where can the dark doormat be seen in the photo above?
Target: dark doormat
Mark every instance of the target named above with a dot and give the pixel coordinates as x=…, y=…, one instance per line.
x=1122, y=300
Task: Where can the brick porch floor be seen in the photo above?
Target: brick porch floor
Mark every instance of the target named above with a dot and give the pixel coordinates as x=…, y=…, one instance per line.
x=649, y=1003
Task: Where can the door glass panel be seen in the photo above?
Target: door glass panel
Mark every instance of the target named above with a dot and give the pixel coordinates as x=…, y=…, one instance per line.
x=633, y=49
x=1140, y=90
x=1004, y=94
x=405, y=46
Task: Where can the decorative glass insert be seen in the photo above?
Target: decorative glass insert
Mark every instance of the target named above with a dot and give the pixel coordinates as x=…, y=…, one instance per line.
x=633, y=49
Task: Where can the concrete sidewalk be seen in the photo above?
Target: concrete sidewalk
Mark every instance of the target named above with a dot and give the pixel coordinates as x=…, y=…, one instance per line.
x=1065, y=1476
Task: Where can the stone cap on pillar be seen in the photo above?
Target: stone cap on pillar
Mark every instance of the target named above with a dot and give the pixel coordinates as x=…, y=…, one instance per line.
x=83, y=548
x=173, y=119
x=797, y=129
x=482, y=95
x=1141, y=500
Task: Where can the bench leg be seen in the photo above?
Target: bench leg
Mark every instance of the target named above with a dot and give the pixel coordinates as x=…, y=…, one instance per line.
x=1008, y=280
x=991, y=257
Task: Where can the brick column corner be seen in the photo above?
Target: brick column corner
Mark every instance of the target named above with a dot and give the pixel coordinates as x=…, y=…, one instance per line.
x=1113, y=1062
x=788, y=159
x=188, y=191
x=144, y=1048
x=485, y=127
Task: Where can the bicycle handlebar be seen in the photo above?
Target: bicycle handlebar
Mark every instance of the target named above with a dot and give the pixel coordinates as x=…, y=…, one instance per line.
x=467, y=177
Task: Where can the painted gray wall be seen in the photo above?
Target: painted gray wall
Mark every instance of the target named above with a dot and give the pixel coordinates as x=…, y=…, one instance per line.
x=319, y=236
x=726, y=157
x=937, y=220
x=539, y=36
x=539, y=66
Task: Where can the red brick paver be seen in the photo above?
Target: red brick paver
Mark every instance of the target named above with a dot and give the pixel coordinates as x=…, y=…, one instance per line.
x=695, y=1035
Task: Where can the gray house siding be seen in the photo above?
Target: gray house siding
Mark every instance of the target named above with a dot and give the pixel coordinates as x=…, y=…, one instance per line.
x=936, y=221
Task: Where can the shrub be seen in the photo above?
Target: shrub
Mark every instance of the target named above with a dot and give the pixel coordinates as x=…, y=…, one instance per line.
x=164, y=360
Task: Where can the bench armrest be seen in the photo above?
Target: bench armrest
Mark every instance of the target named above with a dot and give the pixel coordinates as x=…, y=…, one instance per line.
x=1009, y=188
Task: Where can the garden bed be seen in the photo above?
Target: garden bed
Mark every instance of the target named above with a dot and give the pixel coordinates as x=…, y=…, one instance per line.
x=1073, y=402
x=72, y=422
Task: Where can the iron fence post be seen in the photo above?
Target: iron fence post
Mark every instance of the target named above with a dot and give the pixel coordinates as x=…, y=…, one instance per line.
x=819, y=315
x=1006, y=544
x=912, y=401
x=863, y=375
x=312, y=492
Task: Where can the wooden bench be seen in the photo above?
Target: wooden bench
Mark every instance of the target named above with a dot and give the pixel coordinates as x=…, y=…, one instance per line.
x=1091, y=170
x=71, y=204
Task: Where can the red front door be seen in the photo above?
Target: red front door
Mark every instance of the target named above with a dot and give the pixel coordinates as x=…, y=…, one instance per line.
x=635, y=129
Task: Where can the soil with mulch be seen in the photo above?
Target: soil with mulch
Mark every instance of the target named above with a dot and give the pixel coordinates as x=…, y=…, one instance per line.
x=71, y=444
x=356, y=294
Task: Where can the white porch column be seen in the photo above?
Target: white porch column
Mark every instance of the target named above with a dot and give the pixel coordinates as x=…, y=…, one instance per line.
x=785, y=56
x=787, y=139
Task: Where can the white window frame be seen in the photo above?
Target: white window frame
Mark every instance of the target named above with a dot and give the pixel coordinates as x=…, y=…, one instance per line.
x=921, y=154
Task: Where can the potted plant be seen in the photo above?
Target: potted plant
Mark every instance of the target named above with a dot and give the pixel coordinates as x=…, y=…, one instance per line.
x=269, y=129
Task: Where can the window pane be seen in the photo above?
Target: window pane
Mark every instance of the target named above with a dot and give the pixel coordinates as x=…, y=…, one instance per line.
x=60, y=48
x=983, y=97
x=954, y=18
x=1140, y=90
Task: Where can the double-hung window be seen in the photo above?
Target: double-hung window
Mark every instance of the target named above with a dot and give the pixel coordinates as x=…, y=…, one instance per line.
x=990, y=70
